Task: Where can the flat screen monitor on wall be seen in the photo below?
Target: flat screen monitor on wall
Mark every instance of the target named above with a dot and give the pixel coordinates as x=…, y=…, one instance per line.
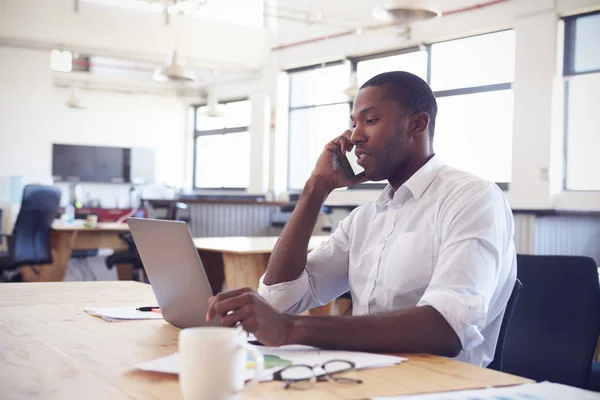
x=74, y=163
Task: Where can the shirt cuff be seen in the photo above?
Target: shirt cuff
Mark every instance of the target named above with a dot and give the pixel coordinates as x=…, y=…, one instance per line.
x=285, y=295
x=464, y=313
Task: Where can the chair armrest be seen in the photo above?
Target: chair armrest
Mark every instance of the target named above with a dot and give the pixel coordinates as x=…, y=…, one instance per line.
x=8, y=240
x=127, y=238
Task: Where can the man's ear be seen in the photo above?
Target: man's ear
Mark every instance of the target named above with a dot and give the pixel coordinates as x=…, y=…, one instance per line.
x=420, y=124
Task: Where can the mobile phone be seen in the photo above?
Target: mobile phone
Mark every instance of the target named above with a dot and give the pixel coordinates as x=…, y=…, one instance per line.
x=351, y=172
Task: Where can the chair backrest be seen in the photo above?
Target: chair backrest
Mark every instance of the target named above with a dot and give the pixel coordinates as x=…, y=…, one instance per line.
x=555, y=325
x=30, y=243
x=174, y=209
x=510, y=307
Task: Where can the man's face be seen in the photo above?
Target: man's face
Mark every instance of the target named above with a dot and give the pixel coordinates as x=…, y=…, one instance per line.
x=379, y=134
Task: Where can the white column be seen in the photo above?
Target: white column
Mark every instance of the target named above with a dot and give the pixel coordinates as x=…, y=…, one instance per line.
x=536, y=28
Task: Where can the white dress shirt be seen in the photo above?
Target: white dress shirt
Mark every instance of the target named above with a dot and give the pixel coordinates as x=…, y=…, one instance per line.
x=443, y=239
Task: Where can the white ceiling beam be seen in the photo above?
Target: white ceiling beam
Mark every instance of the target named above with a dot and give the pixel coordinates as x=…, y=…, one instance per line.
x=128, y=34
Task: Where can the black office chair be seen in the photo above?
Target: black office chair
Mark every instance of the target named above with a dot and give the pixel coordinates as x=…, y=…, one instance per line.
x=131, y=256
x=510, y=307
x=2, y=253
x=555, y=325
x=29, y=243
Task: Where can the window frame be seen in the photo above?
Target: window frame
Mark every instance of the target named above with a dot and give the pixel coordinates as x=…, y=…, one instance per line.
x=569, y=72
x=291, y=108
x=209, y=132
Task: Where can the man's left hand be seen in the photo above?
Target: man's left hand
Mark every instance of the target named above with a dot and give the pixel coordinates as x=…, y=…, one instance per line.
x=245, y=307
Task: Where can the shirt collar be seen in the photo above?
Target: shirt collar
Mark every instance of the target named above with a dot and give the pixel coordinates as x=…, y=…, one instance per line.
x=417, y=184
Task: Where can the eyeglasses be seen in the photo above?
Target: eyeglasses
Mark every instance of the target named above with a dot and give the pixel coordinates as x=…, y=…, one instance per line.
x=301, y=376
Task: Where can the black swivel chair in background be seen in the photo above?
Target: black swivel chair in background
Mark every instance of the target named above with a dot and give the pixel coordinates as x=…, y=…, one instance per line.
x=131, y=256
x=555, y=324
x=29, y=243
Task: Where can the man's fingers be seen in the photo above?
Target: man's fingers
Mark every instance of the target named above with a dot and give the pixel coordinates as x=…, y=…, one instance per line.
x=222, y=308
x=214, y=300
x=239, y=315
x=345, y=144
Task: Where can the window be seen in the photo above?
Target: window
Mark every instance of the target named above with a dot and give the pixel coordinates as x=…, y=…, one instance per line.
x=412, y=61
x=582, y=102
x=319, y=111
x=218, y=141
x=471, y=78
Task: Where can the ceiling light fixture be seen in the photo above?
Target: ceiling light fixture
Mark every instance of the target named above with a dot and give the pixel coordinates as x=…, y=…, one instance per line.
x=213, y=109
x=74, y=101
x=174, y=70
x=406, y=11
x=351, y=91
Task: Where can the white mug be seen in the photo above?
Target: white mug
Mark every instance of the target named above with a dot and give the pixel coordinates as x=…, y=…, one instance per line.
x=213, y=363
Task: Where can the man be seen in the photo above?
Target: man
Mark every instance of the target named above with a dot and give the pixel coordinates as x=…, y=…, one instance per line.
x=430, y=264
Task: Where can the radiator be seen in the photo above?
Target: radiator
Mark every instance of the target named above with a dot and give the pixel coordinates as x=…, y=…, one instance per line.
x=568, y=235
x=213, y=220
x=525, y=233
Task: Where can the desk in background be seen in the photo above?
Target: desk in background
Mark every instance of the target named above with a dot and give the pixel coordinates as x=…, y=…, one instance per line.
x=53, y=349
x=65, y=238
x=244, y=260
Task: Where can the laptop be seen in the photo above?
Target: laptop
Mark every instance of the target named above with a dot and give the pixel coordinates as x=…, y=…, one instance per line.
x=174, y=270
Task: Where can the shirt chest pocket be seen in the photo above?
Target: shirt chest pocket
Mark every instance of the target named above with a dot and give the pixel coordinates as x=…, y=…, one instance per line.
x=408, y=262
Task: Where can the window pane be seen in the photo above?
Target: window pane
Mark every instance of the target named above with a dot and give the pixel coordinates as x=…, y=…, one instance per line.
x=415, y=62
x=223, y=160
x=583, y=140
x=310, y=130
x=587, y=43
x=237, y=114
x=474, y=133
x=474, y=61
x=205, y=123
x=319, y=85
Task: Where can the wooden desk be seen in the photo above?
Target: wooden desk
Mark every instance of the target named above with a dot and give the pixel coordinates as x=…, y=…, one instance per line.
x=52, y=349
x=245, y=259
x=65, y=238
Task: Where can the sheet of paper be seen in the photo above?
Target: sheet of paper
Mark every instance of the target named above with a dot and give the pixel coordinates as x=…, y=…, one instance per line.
x=528, y=391
x=113, y=314
x=280, y=357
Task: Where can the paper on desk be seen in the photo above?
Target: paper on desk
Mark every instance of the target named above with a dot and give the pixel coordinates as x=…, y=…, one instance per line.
x=528, y=391
x=121, y=313
x=285, y=355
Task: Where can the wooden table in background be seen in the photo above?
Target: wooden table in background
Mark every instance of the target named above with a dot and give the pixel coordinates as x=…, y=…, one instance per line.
x=65, y=238
x=245, y=259
x=52, y=349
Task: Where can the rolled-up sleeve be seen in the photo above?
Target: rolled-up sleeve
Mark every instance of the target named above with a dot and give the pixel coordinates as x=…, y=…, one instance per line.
x=476, y=235
x=324, y=278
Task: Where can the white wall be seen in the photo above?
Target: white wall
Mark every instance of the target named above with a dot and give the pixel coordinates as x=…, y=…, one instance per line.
x=32, y=118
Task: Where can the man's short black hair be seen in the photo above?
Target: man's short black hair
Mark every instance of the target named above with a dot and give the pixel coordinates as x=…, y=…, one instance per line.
x=410, y=91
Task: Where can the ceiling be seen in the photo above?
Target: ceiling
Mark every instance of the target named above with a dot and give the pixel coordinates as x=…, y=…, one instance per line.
x=296, y=20
x=287, y=20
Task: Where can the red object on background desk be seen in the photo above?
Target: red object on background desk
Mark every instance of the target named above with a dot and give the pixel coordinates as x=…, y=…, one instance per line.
x=107, y=214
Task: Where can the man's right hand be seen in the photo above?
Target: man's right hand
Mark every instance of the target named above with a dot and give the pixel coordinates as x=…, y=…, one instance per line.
x=328, y=167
